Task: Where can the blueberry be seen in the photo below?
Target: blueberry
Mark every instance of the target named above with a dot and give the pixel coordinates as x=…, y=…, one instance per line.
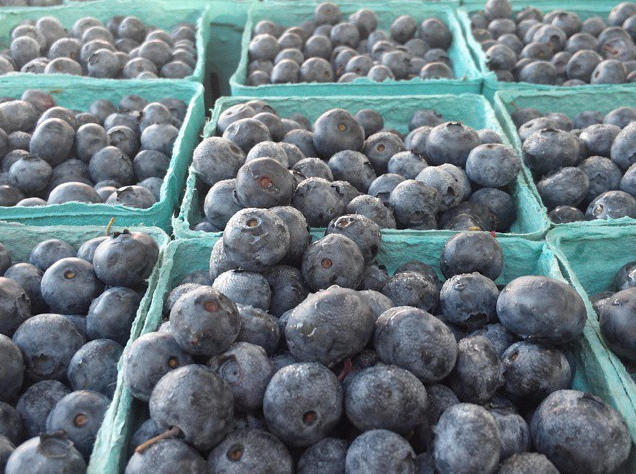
x=319, y=201
x=379, y=451
x=246, y=133
x=251, y=450
x=469, y=300
x=499, y=203
x=527, y=463
x=334, y=259
x=385, y=397
x=287, y=287
x=15, y=306
x=216, y=159
x=622, y=149
x=313, y=168
x=303, y=139
x=370, y=120
x=196, y=312
x=5, y=259
x=232, y=114
x=219, y=261
x=354, y=167
x=615, y=321
x=182, y=395
x=316, y=70
x=477, y=374
x=246, y=368
x=6, y=449
x=568, y=411
x=256, y=239
x=467, y=428
x=376, y=300
x=532, y=371
x=245, y=288
x=327, y=455
x=412, y=289
x=343, y=332
x=565, y=187
x=52, y=141
x=399, y=331
x=314, y=409
x=110, y=163
x=298, y=230
x=498, y=335
x=29, y=277
x=94, y=367
x=609, y=71
x=515, y=433
x=168, y=455
x=285, y=71
x=363, y=231
x=73, y=191
x=469, y=252
x=111, y=314
x=337, y=130
x=543, y=308
x=586, y=119
x=80, y=415
x=566, y=214
x=12, y=373
x=126, y=259
x=415, y=203
x=380, y=147
x=523, y=115
x=47, y=252
x=612, y=205
x=46, y=453
x=264, y=182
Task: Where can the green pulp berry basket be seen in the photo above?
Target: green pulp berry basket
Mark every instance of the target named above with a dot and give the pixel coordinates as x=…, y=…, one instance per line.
x=569, y=101
x=20, y=240
x=584, y=8
x=468, y=79
x=594, y=372
x=79, y=93
x=160, y=14
x=590, y=258
x=397, y=111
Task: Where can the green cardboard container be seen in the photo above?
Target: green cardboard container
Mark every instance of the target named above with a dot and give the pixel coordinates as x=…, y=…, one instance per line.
x=397, y=111
x=468, y=77
x=163, y=15
x=584, y=8
x=20, y=240
x=570, y=101
x=590, y=258
x=79, y=93
x=594, y=372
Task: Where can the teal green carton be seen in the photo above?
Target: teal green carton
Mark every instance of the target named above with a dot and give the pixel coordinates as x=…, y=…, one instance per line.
x=397, y=111
x=163, y=15
x=468, y=78
x=589, y=259
x=19, y=240
x=569, y=101
x=594, y=371
x=585, y=9
x=79, y=93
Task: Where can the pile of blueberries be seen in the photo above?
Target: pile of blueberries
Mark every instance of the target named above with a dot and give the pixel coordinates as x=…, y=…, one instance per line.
x=557, y=48
x=297, y=357
x=328, y=49
x=585, y=168
x=440, y=175
x=615, y=310
x=64, y=318
x=124, y=48
x=52, y=155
